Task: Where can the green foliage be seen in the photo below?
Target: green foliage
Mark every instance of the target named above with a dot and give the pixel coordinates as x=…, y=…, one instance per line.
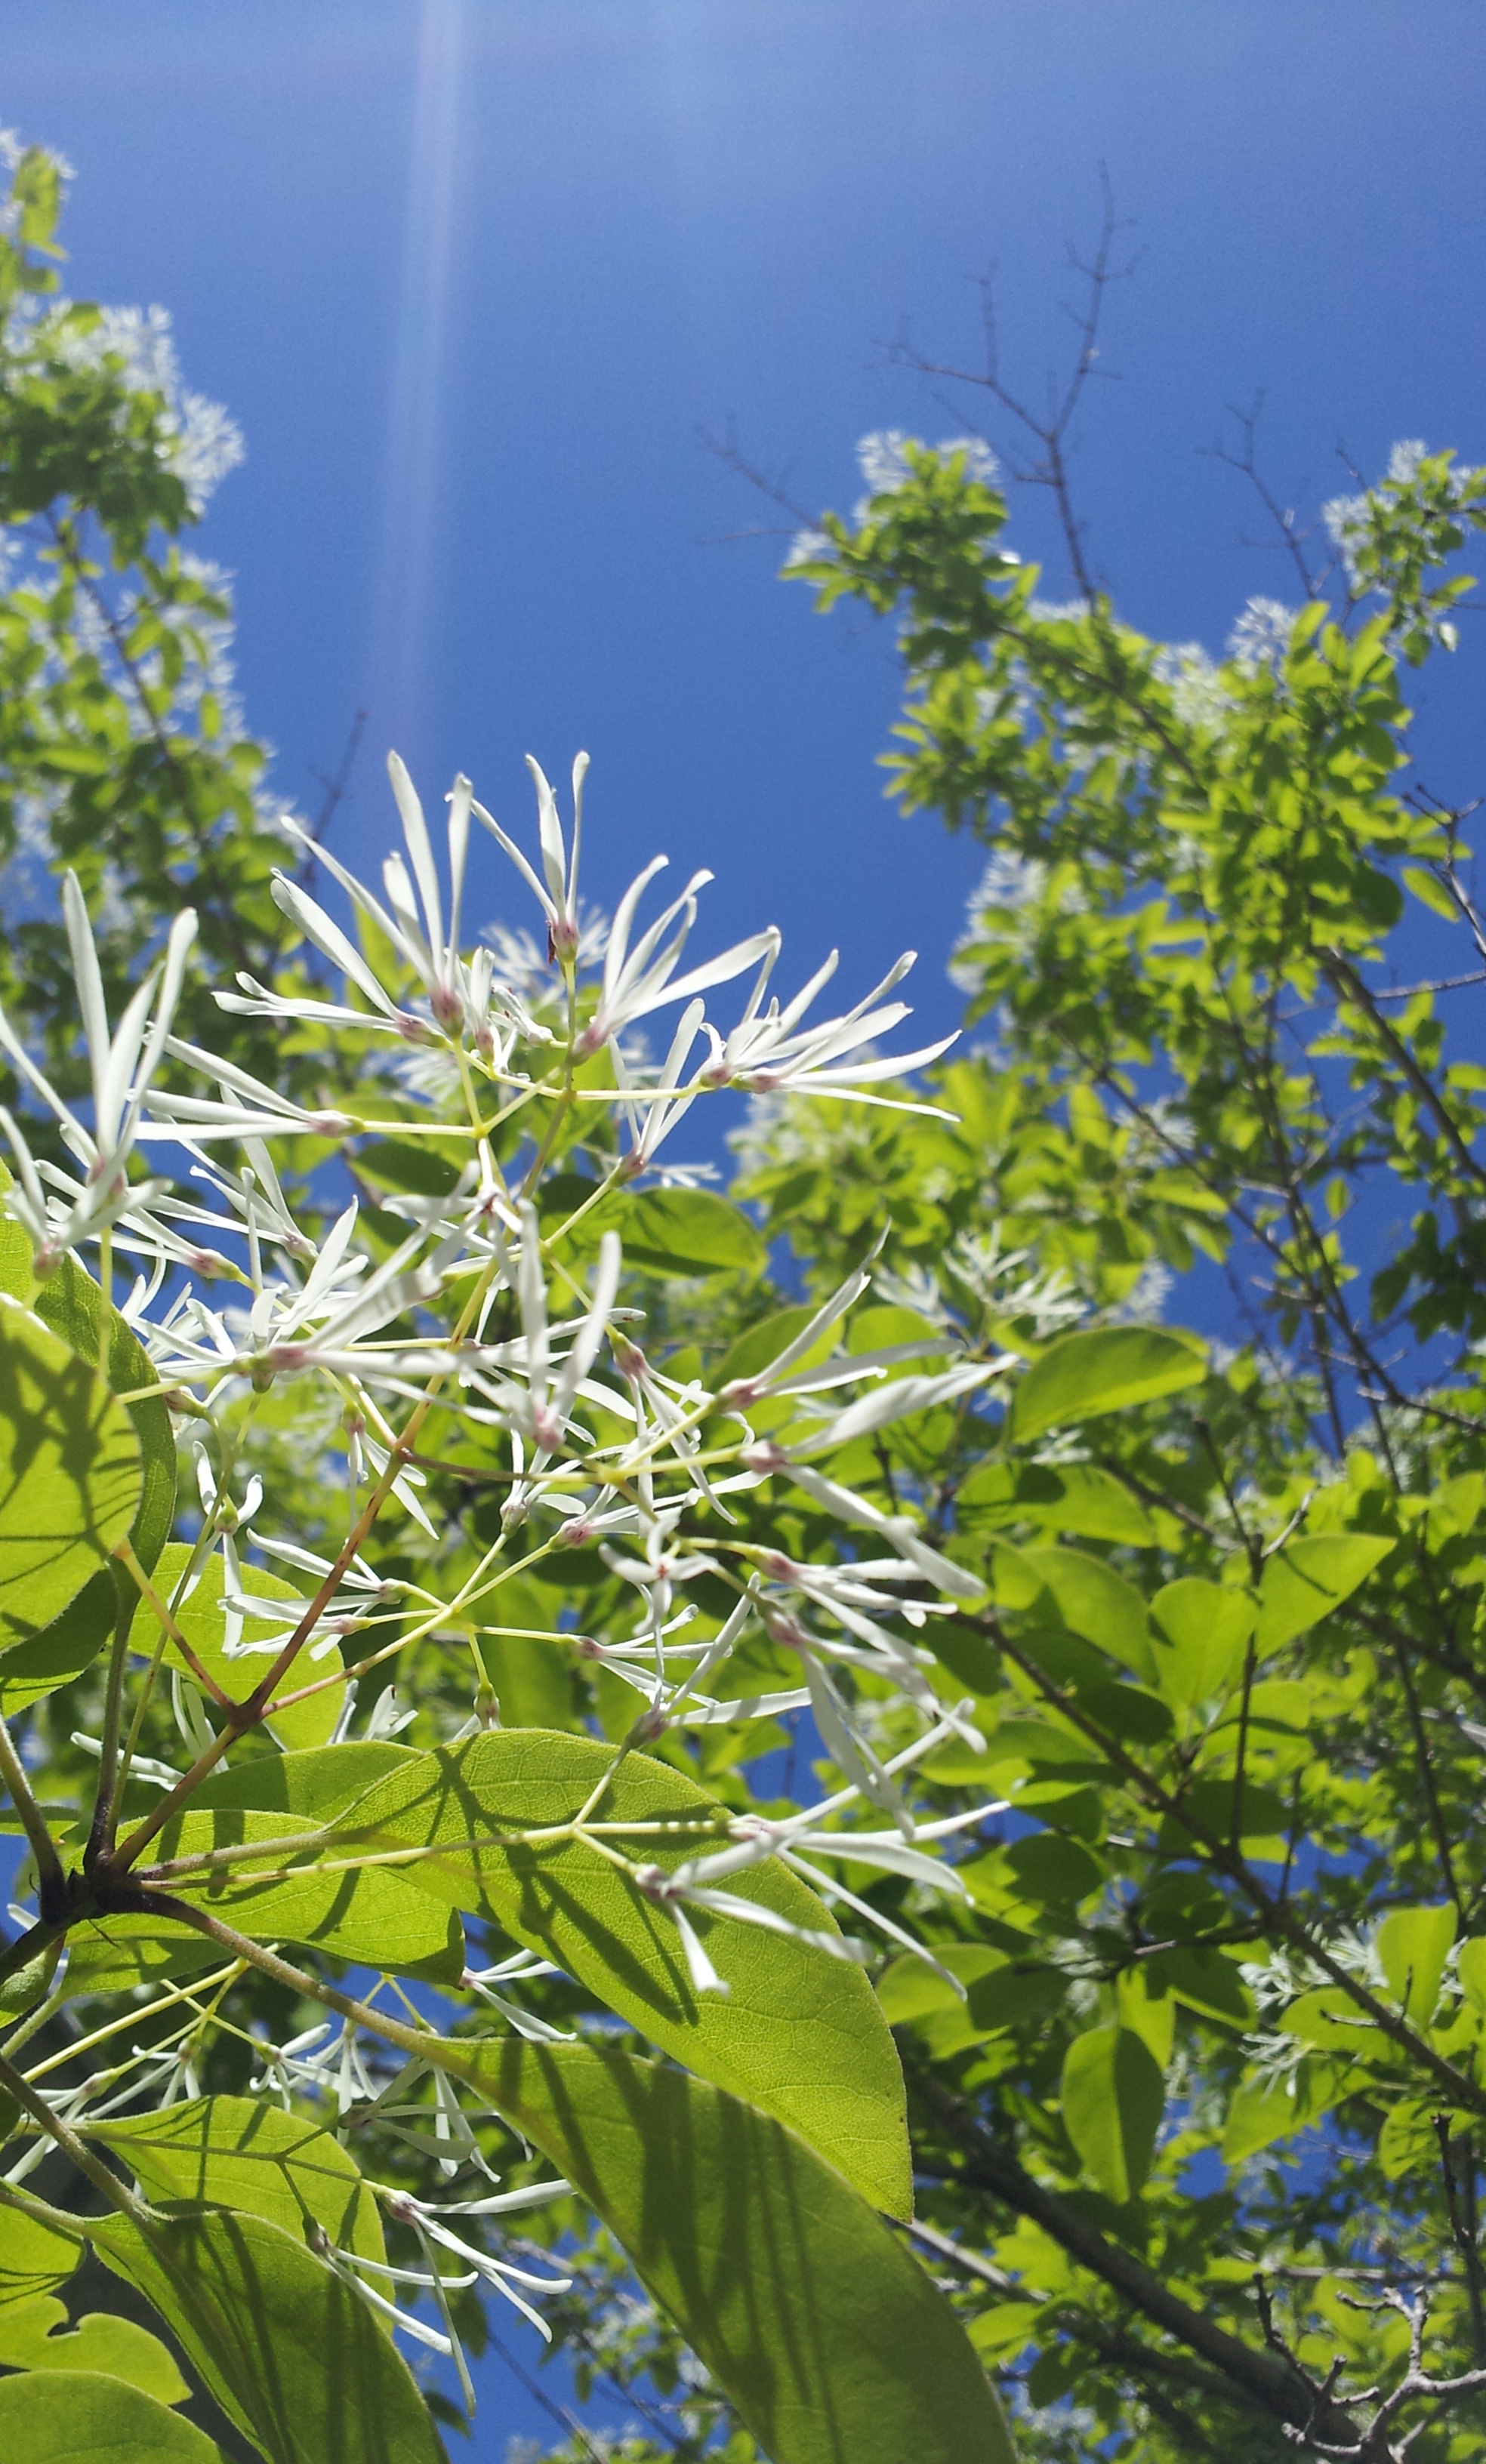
x=291, y=2355
x=1146, y=1676
x=83, y=2417
x=797, y=2033
x=1081, y=1376
x=70, y=1475
x=1113, y=2096
x=118, y=2348
x=35, y=2260
x=239, y=2152
x=804, y=2307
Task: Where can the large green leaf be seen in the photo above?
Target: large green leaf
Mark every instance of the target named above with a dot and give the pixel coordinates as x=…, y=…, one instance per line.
x=232, y=2151
x=800, y=2034
x=1103, y=1369
x=1310, y=1578
x=72, y=1305
x=202, y=1618
x=316, y=1784
x=113, y=1954
x=33, y=2257
x=1113, y=2096
x=284, y=2345
x=69, y=1645
x=119, y=2347
x=1096, y=1602
x=374, y=1914
x=69, y=1474
x=832, y=2341
x=1202, y=1629
x=85, y=2417
x=1414, y=1945
x=664, y=1231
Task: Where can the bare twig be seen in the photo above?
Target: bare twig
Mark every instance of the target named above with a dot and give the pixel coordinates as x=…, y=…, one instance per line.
x=1246, y=464
x=1048, y=431
x=335, y=788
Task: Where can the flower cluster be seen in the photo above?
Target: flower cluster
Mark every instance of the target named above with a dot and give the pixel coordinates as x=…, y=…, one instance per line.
x=478, y=1328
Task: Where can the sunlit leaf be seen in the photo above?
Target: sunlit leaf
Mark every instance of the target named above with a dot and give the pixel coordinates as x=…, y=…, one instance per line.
x=832, y=2340
x=81, y=2416
x=1097, y=1370
x=1414, y=1945
x=800, y=2033
x=235, y=2152
x=295, y=2360
x=119, y=2347
x=1113, y=2096
x=69, y=1474
x=1309, y=1578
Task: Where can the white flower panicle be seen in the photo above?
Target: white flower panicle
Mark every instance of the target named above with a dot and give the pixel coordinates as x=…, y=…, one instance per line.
x=470, y=1312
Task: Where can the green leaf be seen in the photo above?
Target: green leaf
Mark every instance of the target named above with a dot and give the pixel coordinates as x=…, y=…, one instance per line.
x=1431, y=892
x=290, y=2353
x=69, y=1474
x=664, y=1231
x=376, y=1914
x=832, y=2341
x=231, y=2151
x=1264, y=2112
x=316, y=1784
x=83, y=2417
x=1310, y=1578
x=1001, y=2333
x=118, y=2348
x=800, y=2034
x=1006, y=1991
x=1113, y=2097
x=34, y=2257
x=114, y=1954
x=1103, y=1369
x=1050, y=1870
x=1414, y=1945
x=1205, y=1980
x=1471, y=1968
x=1408, y=2142
x=69, y=1645
x=202, y=1618
x=26, y=1985
x=763, y=1342
x=1128, y=1712
x=426, y=1167
x=1201, y=1630
x=71, y=1304
x=686, y=1232
x=1095, y=1600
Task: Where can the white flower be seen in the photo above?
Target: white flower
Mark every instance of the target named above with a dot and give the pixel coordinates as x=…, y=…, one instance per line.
x=558, y=897
x=542, y=1410
x=656, y=1109
x=848, y=1508
x=1261, y=636
x=460, y=993
x=637, y=981
x=676, y=1894
x=897, y=1396
x=766, y=1052
x=121, y=1066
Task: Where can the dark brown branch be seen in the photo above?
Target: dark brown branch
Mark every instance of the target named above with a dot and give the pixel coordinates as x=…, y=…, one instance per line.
x=1263, y=2382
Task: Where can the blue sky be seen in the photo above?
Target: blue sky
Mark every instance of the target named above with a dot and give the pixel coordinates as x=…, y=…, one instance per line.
x=472, y=273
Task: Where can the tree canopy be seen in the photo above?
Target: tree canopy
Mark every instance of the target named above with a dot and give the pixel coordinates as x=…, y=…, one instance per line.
x=925, y=1838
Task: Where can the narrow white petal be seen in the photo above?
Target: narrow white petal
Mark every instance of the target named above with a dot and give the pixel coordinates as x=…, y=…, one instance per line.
x=415, y=830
